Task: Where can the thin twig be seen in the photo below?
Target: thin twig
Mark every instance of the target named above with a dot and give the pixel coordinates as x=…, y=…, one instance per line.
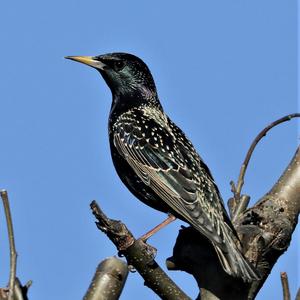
x=240, y=207
x=244, y=166
x=13, y=253
x=285, y=286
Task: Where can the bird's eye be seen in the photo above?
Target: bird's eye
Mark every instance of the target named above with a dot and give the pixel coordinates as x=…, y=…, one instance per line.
x=119, y=65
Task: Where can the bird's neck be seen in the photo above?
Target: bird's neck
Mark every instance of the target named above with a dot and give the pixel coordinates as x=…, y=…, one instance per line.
x=124, y=103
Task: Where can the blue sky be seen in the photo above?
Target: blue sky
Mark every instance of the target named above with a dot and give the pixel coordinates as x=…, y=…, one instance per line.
x=223, y=69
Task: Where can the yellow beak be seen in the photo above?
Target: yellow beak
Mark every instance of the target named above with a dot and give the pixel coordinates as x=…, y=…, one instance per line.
x=88, y=60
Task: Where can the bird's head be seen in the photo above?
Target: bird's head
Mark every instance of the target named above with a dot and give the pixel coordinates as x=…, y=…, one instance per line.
x=124, y=73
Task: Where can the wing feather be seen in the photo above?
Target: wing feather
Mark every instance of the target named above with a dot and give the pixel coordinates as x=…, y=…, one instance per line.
x=173, y=174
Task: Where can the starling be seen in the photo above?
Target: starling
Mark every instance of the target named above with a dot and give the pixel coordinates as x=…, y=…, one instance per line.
x=157, y=162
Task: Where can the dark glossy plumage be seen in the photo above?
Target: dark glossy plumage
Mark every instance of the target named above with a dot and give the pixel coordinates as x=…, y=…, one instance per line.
x=158, y=164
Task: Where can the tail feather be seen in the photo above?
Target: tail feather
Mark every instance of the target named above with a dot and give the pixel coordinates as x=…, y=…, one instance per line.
x=234, y=263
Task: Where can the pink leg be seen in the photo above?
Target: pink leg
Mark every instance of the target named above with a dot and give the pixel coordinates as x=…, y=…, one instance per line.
x=167, y=221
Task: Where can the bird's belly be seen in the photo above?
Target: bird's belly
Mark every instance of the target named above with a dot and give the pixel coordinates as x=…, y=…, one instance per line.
x=136, y=186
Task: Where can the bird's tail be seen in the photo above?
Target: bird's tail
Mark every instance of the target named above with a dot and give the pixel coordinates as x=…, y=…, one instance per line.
x=233, y=261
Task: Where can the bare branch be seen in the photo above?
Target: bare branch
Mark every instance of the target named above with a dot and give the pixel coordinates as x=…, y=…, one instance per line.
x=244, y=166
x=138, y=254
x=108, y=281
x=13, y=253
x=241, y=206
x=285, y=286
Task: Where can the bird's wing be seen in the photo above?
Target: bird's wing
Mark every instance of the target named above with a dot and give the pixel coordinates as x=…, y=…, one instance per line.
x=174, y=171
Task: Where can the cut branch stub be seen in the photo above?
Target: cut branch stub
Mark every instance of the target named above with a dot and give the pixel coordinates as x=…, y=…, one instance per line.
x=285, y=286
x=115, y=230
x=138, y=254
x=108, y=281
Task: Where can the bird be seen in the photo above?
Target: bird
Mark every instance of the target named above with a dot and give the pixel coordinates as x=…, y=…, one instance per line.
x=158, y=163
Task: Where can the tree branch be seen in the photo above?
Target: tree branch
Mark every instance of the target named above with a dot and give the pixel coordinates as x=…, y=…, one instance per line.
x=15, y=290
x=108, y=281
x=13, y=253
x=285, y=286
x=138, y=254
x=273, y=219
x=239, y=202
x=263, y=133
x=20, y=292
